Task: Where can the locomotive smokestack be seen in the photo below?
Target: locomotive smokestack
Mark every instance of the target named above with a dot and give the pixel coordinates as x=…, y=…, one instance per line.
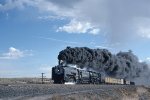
x=122, y=65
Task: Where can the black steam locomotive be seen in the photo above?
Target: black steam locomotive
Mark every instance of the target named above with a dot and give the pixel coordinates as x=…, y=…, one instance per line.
x=67, y=73
x=62, y=74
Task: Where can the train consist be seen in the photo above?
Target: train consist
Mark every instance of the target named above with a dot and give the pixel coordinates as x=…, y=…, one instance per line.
x=67, y=73
x=109, y=80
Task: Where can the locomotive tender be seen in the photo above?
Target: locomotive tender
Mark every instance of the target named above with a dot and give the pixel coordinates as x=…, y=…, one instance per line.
x=67, y=73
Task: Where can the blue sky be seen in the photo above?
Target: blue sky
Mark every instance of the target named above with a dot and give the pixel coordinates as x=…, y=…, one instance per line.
x=32, y=32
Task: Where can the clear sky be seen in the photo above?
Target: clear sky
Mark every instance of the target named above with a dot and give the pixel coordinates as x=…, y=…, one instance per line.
x=32, y=32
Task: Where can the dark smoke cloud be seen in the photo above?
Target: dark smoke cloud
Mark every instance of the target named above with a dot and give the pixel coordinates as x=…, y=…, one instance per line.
x=122, y=65
x=65, y=3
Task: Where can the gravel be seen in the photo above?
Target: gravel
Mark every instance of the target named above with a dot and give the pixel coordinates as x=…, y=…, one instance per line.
x=19, y=91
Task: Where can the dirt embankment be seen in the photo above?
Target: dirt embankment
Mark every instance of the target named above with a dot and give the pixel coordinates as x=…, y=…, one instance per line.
x=109, y=93
x=73, y=92
x=139, y=93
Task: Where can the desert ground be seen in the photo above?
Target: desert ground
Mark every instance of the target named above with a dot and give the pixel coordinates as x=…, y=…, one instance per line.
x=32, y=89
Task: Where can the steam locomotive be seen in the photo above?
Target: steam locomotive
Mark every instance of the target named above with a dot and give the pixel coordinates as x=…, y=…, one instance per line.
x=69, y=73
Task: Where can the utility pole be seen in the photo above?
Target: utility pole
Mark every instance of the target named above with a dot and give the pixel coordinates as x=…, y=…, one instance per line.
x=42, y=78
